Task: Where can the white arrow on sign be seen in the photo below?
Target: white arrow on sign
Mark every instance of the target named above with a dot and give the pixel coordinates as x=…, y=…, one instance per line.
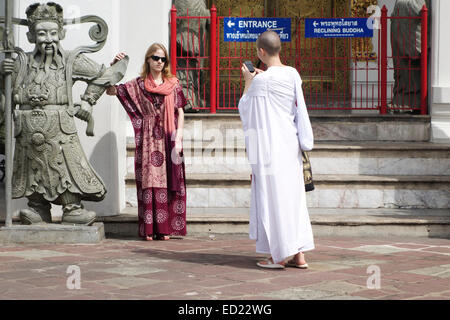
x=315, y=24
x=231, y=24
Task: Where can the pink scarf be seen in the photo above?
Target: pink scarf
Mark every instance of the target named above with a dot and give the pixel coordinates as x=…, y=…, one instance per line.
x=167, y=89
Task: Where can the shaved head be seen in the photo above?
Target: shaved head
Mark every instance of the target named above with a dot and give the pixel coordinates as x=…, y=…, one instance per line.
x=270, y=42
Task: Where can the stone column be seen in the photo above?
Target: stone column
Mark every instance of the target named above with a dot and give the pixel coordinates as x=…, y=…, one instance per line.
x=440, y=73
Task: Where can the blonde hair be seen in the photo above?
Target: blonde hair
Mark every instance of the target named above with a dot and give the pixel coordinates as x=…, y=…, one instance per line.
x=146, y=67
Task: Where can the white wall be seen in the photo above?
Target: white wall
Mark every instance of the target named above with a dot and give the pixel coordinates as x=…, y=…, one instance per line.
x=142, y=23
x=133, y=26
x=440, y=72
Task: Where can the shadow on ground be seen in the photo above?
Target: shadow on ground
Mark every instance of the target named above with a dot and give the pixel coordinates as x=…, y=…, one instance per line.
x=188, y=254
x=215, y=259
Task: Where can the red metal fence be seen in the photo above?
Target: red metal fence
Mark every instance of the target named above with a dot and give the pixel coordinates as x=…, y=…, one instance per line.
x=337, y=73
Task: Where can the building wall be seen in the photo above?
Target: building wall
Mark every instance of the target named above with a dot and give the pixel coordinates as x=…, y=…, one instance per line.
x=133, y=26
x=440, y=73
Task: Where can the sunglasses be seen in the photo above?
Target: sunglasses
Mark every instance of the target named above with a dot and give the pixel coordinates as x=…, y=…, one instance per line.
x=156, y=58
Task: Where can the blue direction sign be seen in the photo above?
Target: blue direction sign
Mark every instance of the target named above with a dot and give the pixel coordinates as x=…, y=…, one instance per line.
x=338, y=28
x=248, y=29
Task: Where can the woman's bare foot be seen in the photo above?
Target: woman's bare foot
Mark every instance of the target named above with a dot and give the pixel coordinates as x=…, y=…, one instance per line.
x=269, y=264
x=163, y=237
x=298, y=261
x=270, y=260
x=299, y=258
x=149, y=238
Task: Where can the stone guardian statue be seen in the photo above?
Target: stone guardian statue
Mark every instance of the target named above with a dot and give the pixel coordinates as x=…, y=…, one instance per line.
x=406, y=52
x=50, y=165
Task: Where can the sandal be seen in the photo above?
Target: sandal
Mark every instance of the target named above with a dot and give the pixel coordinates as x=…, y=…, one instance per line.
x=292, y=263
x=269, y=264
x=149, y=238
x=162, y=237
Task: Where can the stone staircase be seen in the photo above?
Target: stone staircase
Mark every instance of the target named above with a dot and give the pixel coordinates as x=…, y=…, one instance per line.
x=375, y=175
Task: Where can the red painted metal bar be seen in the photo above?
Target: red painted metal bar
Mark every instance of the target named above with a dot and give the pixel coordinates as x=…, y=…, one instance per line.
x=378, y=69
x=212, y=60
x=190, y=94
x=173, y=40
x=383, y=61
x=424, y=62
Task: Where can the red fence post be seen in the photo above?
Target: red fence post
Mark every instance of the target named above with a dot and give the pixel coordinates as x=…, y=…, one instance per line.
x=383, y=61
x=212, y=60
x=424, y=62
x=173, y=40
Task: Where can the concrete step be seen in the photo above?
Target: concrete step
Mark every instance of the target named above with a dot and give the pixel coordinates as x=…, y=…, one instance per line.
x=320, y=146
x=332, y=191
x=325, y=222
x=224, y=129
x=368, y=158
x=327, y=127
x=233, y=179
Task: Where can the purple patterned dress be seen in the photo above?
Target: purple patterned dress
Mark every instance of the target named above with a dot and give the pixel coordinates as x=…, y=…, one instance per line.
x=160, y=183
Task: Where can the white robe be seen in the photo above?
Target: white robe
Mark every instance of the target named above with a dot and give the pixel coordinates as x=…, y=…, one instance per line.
x=276, y=130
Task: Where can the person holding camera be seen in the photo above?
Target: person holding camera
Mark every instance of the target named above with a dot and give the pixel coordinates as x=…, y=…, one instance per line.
x=277, y=128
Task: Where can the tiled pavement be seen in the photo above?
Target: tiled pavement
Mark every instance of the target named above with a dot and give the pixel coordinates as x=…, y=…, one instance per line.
x=224, y=268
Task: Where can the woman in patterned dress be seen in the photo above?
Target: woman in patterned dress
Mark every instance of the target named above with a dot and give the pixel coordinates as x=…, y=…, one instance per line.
x=155, y=102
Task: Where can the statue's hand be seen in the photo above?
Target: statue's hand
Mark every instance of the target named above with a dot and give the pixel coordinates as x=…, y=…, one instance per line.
x=85, y=112
x=7, y=66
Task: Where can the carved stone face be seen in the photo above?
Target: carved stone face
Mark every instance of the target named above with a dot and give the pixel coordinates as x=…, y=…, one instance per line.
x=47, y=37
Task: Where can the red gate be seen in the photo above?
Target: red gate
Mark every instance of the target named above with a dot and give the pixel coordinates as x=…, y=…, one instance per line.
x=335, y=75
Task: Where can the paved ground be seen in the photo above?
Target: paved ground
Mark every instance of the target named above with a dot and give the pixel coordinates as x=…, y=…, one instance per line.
x=224, y=268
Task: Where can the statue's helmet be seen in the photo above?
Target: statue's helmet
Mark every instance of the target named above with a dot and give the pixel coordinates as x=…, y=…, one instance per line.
x=49, y=11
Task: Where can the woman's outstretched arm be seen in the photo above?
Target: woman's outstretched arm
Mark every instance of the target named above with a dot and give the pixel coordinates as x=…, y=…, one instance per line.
x=112, y=90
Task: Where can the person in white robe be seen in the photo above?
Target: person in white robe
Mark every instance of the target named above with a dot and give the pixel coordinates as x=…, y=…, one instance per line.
x=277, y=128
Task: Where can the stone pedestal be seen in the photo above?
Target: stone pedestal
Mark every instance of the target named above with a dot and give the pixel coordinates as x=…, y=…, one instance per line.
x=52, y=234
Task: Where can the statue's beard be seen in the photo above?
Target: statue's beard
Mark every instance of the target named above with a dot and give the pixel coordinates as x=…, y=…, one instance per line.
x=48, y=58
